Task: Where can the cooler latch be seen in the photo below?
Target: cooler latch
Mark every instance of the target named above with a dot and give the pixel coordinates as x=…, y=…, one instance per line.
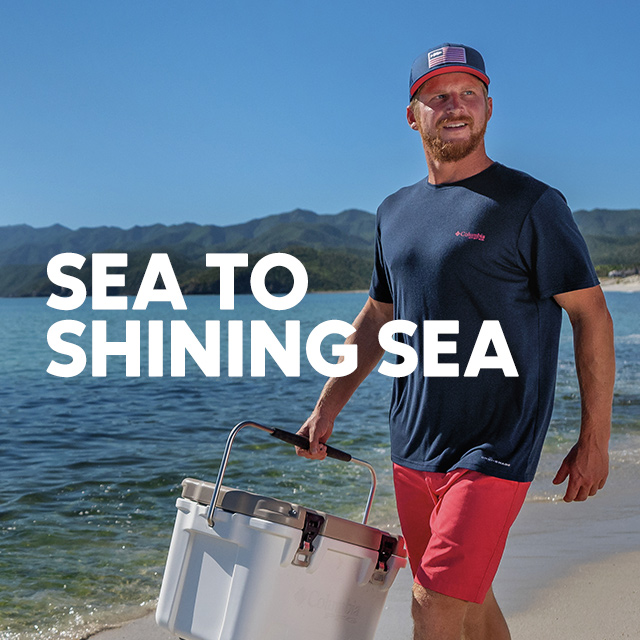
x=387, y=548
x=312, y=525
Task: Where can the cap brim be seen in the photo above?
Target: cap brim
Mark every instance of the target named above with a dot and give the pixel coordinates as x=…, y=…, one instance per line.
x=450, y=69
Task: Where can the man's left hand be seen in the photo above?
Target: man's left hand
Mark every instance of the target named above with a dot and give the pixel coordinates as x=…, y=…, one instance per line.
x=587, y=467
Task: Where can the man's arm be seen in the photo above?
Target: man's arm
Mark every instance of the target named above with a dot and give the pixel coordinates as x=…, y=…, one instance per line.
x=337, y=391
x=587, y=464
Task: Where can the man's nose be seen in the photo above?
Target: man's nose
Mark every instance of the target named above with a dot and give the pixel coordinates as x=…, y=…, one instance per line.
x=454, y=103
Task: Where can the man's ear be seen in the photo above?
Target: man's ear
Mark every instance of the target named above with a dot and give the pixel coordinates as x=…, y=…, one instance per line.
x=411, y=119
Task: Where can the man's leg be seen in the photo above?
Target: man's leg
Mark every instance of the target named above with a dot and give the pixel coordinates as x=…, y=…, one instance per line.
x=485, y=621
x=440, y=617
x=436, y=616
x=455, y=545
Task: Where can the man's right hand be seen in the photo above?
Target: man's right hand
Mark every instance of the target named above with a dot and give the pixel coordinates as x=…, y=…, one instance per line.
x=318, y=432
x=337, y=391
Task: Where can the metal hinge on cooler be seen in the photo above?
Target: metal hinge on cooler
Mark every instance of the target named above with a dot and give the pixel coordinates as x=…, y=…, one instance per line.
x=312, y=525
x=386, y=550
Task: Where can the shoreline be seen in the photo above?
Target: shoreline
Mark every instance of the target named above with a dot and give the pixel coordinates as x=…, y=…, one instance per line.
x=560, y=560
x=629, y=284
x=562, y=609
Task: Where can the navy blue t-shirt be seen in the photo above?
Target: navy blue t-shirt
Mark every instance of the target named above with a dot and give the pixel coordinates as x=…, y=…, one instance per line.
x=496, y=246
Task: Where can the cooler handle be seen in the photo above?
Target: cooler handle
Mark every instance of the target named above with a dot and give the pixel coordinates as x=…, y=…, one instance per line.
x=296, y=440
x=302, y=442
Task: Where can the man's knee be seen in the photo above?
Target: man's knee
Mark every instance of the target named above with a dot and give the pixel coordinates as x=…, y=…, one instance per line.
x=486, y=621
x=436, y=615
x=427, y=598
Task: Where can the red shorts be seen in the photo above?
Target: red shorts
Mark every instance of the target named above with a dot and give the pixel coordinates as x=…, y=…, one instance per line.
x=455, y=526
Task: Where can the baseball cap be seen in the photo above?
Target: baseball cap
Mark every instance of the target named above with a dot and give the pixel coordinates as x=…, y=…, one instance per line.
x=446, y=58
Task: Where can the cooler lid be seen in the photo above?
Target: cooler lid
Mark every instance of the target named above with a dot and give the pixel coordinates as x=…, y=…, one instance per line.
x=289, y=514
x=246, y=503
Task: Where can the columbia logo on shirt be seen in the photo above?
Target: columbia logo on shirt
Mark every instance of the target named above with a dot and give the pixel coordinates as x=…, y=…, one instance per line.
x=471, y=236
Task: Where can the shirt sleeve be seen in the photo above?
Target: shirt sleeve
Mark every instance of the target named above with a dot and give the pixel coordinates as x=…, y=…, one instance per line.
x=553, y=249
x=380, y=288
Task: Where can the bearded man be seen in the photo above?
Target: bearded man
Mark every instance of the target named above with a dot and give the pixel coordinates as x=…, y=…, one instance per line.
x=475, y=241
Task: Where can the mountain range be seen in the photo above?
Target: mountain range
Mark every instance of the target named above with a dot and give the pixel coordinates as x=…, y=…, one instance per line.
x=336, y=249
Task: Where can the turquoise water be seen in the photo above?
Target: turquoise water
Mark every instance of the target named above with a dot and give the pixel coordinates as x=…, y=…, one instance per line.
x=91, y=466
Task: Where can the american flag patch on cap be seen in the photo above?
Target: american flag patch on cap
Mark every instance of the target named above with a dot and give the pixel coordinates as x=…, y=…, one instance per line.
x=445, y=55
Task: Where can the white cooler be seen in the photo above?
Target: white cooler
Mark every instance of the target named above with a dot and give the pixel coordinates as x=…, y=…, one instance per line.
x=257, y=568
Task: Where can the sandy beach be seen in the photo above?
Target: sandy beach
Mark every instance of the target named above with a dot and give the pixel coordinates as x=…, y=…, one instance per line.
x=570, y=571
x=630, y=284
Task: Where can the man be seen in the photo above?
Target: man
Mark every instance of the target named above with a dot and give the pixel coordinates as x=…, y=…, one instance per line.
x=474, y=242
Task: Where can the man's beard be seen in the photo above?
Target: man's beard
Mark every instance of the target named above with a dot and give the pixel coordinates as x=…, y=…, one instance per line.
x=454, y=150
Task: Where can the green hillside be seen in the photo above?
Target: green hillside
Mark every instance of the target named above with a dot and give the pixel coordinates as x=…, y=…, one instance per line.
x=337, y=250
x=21, y=244
x=613, y=237
x=604, y=222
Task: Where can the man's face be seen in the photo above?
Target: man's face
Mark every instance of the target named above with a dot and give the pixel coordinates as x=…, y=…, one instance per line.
x=451, y=112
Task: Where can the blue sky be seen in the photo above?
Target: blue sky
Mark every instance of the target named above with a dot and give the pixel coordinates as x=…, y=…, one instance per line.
x=132, y=113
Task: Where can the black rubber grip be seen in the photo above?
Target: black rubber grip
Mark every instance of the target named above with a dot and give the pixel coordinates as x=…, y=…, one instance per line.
x=303, y=443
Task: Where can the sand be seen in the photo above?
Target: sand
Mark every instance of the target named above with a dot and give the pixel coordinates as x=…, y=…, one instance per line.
x=596, y=601
x=629, y=284
x=570, y=571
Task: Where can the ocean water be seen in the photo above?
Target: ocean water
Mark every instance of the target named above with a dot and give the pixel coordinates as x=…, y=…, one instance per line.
x=90, y=466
